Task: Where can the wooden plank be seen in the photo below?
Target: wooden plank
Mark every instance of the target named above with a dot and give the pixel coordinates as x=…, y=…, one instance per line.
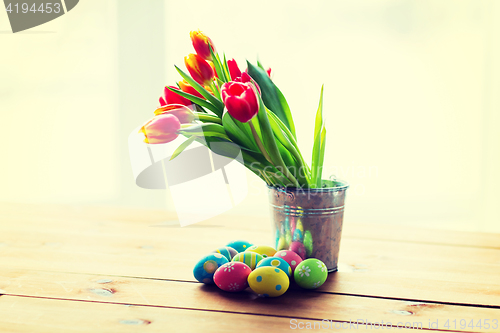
x=185, y=295
x=50, y=215
x=29, y=315
x=428, y=272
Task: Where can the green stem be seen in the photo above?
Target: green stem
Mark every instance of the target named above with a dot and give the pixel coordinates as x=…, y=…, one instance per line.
x=259, y=143
x=208, y=118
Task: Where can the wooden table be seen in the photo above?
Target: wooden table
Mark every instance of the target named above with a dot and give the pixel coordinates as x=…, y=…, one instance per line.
x=98, y=269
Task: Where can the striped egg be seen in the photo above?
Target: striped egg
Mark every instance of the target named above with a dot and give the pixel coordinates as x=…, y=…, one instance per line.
x=251, y=259
x=227, y=252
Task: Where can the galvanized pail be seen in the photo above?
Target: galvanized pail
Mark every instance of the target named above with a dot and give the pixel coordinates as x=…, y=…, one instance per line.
x=309, y=221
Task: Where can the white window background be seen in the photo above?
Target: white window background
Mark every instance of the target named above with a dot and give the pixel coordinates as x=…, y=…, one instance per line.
x=411, y=99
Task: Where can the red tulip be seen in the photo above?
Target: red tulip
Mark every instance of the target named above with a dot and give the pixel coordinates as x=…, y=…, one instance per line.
x=269, y=71
x=161, y=129
x=200, y=44
x=247, y=78
x=187, y=88
x=181, y=112
x=169, y=97
x=234, y=71
x=240, y=100
x=199, y=69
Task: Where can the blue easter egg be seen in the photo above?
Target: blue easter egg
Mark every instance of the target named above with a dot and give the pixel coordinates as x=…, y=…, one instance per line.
x=297, y=235
x=240, y=245
x=276, y=262
x=227, y=252
x=205, y=268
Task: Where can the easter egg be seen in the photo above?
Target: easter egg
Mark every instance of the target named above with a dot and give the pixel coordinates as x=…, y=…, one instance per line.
x=276, y=262
x=281, y=243
x=310, y=273
x=299, y=226
x=239, y=245
x=268, y=281
x=232, y=276
x=205, y=268
x=292, y=258
x=308, y=243
x=251, y=259
x=227, y=252
x=264, y=250
x=298, y=248
x=297, y=235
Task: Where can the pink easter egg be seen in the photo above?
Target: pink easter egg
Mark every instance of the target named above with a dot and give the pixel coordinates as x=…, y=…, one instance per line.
x=292, y=258
x=232, y=276
x=298, y=248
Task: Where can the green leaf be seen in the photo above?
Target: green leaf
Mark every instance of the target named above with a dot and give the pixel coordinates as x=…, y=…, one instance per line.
x=217, y=64
x=204, y=128
x=182, y=146
x=196, y=100
x=317, y=159
x=270, y=143
x=226, y=68
x=271, y=96
x=237, y=134
x=199, y=88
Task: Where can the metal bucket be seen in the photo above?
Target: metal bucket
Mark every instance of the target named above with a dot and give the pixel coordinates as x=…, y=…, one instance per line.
x=309, y=221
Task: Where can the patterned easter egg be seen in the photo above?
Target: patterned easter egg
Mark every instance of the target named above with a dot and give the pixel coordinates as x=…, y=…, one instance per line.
x=249, y=258
x=310, y=273
x=232, y=276
x=227, y=252
x=299, y=226
x=281, y=244
x=308, y=243
x=276, y=262
x=264, y=250
x=292, y=258
x=240, y=245
x=205, y=268
x=297, y=235
x=268, y=281
x=298, y=248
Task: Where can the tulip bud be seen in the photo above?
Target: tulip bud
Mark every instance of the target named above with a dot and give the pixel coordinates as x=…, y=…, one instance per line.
x=161, y=129
x=234, y=71
x=200, y=44
x=181, y=112
x=199, y=69
x=269, y=72
x=170, y=97
x=187, y=88
x=240, y=100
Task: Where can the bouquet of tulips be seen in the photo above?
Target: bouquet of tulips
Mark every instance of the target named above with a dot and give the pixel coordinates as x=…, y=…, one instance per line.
x=233, y=112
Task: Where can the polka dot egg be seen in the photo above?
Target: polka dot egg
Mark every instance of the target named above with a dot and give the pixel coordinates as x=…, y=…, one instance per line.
x=232, y=276
x=240, y=245
x=292, y=258
x=251, y=259
x=276, y=262
x=205, y=268
x=268, y=281
x=264, y=250
x=310, y=273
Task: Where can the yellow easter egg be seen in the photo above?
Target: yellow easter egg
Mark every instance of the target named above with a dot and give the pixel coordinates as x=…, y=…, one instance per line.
x=264, y=250
x=268, y=281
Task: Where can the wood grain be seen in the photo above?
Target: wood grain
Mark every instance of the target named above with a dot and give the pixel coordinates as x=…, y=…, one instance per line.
x=21, y=314
x=296, y=303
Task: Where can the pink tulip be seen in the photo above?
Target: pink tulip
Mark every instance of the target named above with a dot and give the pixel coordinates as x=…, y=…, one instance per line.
x=234, y=71
x=241, y=100
x=181, y=112
x=161, y=129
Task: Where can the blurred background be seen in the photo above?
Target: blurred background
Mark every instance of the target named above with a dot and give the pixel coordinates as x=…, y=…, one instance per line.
x=411, y=99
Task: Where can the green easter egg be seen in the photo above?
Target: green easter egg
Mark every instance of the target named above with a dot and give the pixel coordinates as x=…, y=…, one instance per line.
x=310, y=273
x=308, y=243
